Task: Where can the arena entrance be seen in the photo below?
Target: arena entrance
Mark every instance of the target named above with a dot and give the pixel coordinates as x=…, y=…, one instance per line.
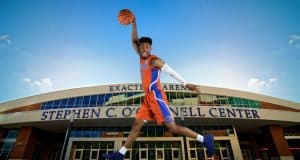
x=153, y=143
x=155, y=148
x=223, y=150
x=91, y=150
x=143, y=149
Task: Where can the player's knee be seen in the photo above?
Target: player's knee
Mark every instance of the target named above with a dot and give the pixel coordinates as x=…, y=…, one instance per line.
x=136, y=126
x=138, y=123
x=172, y=129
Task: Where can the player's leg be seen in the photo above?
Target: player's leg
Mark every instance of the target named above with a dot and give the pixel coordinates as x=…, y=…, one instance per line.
x=144, y=114
x=135, y=130
x=207, y=140
x=163, y=114
x=180, y=130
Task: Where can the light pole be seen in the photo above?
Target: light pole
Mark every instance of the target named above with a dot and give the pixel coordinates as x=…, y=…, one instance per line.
x=63, y=151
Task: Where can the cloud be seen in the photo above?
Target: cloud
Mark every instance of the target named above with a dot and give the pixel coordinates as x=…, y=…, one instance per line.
x=257, y=85
x=294, y=41
x=4, y=39
x=44, y=84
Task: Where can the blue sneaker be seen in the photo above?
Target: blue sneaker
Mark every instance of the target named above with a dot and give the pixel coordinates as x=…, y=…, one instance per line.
x=113, y=156
x=208, y=142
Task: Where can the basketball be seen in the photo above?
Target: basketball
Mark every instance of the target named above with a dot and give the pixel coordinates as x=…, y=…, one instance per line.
x=125, y=17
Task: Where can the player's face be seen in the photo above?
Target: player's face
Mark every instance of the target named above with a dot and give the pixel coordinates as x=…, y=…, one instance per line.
x=145, y=50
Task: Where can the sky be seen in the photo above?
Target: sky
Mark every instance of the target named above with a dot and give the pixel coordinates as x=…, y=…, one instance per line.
x=51, y=45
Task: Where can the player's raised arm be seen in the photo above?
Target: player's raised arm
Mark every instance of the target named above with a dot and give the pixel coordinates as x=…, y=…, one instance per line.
x=126, y=17
x=134, y=37
x=158, y=63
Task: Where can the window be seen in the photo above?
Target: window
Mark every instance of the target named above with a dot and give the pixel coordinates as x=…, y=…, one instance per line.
x=258, y=105
x=221, y=100
x=78, y=102
x=43, y=106
x=245, y=103
x=130, y=99
x=71, y=102
x=7, y=142
x=86, y=101
x=238, y=102
x=108, y=99
x=50, y=105
x=172, y=98
x=179, y=99
x=136, y=98
x=78, y=155
x=94, y=154
x=115, y=99
x=123, y=99
x=93, y=101
x=6, y=149
x=63, y=103
x=12, y=133
x=56, y=104
x=100, y=101
x=190, y=99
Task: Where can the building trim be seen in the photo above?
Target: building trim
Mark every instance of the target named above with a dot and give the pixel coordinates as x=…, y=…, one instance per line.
x=106, y=89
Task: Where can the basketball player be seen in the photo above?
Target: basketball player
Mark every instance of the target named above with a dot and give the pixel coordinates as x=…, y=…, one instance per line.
x=155, y=105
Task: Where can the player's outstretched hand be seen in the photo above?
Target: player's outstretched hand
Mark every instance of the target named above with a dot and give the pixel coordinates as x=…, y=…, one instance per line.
x=193, y=87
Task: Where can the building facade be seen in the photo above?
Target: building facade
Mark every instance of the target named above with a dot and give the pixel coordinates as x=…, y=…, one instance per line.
x=246, y=125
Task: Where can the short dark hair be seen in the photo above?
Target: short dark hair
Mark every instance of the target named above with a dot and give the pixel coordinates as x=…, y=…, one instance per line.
x=145, y=40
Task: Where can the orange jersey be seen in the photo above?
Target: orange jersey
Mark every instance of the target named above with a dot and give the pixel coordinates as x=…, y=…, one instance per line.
x=150, y=76
x=155, y=104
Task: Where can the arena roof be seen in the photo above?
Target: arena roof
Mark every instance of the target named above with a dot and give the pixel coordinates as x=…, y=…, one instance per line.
x=129, y=87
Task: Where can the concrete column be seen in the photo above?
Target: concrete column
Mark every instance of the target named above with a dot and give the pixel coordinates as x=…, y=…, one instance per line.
x=118, y=144
x=235, y=145
x=236, y=149
x=25, y=144
x=280, y=145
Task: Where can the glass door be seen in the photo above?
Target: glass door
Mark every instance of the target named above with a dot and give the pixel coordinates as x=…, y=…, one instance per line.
x=198, y=151
x=77, y=154
x=160, y=155
x=224, y=153
x=193, y=154
x=176, y=154
x=94, y=154
x=128, y=155
x=246, y=154
x=143, y=153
